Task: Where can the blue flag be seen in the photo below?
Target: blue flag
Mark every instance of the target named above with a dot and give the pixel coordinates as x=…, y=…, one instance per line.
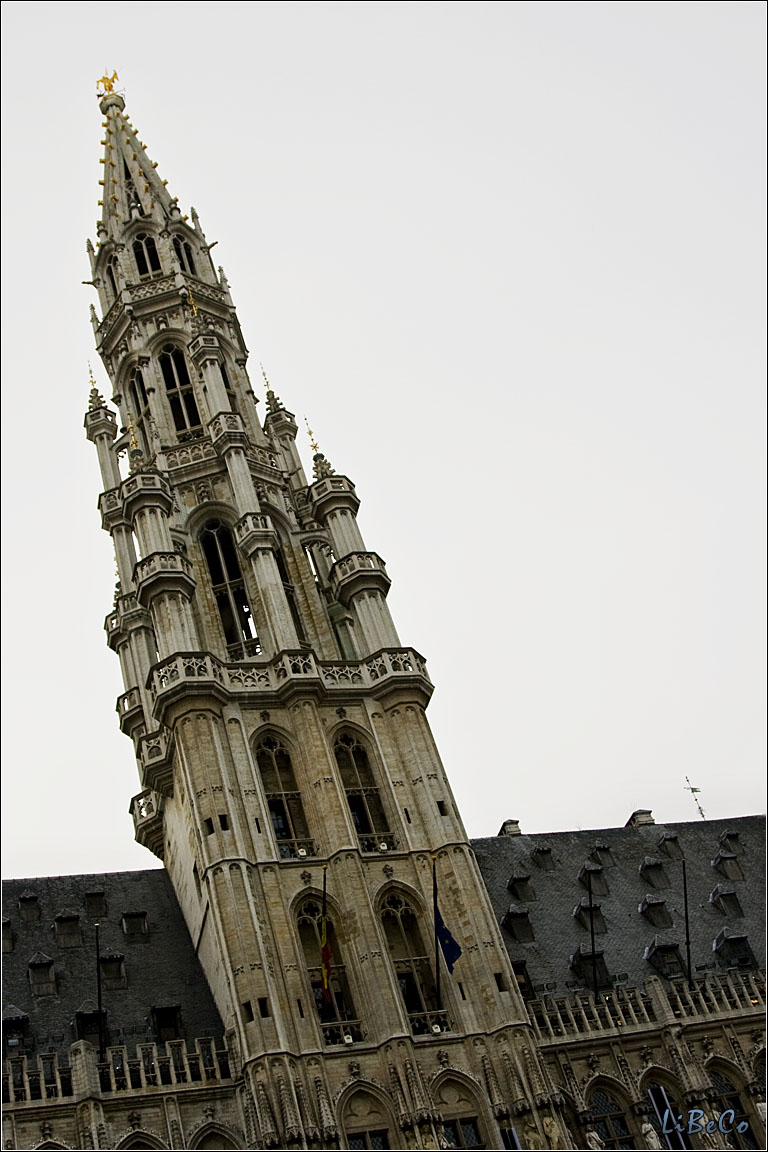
x=450, y=948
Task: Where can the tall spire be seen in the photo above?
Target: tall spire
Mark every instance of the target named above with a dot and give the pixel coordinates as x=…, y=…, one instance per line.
x=131, y=185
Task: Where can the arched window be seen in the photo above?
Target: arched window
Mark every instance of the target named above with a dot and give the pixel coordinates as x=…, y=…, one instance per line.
x=145, y=255
x=181, y=394
x=334, y=1007
x=139, y=401
x=609, y=1121
x=183, y=250
x=111, y=273
x=228, y=588
x=460, y=1112
x=367, y=1122
x=228, y=387
x=362, y=794
x=283, y=800
x=729, y=1100
x=664, y=1101
x=412, y=966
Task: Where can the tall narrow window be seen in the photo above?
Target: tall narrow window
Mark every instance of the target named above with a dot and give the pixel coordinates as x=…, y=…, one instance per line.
x=228, y=387
x=609, y=1120
x=111, y=274
x=283, y=800
x=145, y=255
x=183, y=250
x=290, y=596
x=362, y=794
x=334, y=1007
x=139, y=409
x=728, y=1099
x=412, y=966
x=228, y=589
x=181, y=394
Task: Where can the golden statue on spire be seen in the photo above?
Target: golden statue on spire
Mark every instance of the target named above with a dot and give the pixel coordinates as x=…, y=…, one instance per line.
x=107, y=82
x=311, y=435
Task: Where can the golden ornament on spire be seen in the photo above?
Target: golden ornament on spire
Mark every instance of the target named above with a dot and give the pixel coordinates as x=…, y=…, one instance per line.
x=107, y=83
x=310, y=433
x=266, y=382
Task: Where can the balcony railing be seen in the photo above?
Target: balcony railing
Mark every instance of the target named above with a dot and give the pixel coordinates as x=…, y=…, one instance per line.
x=377, y=842
x=624, y=1009
x=296, y=849
x=343, y=1032
x=429, y=1023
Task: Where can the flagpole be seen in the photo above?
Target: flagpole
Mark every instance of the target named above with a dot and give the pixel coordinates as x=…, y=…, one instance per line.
x=437, y=942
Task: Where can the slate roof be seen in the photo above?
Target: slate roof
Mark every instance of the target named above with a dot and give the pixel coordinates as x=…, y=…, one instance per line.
x=161, y=968
x=558, y=892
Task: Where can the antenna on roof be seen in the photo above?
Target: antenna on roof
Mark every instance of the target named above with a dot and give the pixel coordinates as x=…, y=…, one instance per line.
x=690, y=788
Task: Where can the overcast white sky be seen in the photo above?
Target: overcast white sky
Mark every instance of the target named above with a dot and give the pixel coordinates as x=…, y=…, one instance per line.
x=508, y=259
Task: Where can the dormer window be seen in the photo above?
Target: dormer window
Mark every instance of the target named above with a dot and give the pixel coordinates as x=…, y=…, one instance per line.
x=602, y=855
x=542, y=857
x=652, y=871
x=29, y=906
x=145, y=255
x=726, y=901
x=590, y=967
x=112, y=968
x=520, y=888
x=589, y=918
x=733, y=950
x=181, y=394
x=593, y=878
x=95, y=904
x=42, y=976
x=655, y=911
x=730, y=842
x=68, y=933
x=670, y=846
x=517, y=922
x=664, y=956
x=183, y=250
x=727, y=864
x=135, y=924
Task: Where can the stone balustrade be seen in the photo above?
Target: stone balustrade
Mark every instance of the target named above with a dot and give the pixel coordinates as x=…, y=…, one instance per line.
x=356, y=572
x=287, y=671
x=622, y=1010
x=41, y=1079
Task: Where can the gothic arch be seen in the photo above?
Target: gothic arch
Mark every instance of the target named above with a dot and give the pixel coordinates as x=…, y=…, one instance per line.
x=610, y=1112
x=661, y=1075
x=214, y=1135
x=355, y=1113
x=409, y=893
x=210, y=510
x=728, y=1068
x=141, y=1139
x=461, y=1101
x=52, y=1144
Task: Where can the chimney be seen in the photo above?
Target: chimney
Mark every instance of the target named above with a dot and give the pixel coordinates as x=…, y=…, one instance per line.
x=512, y=828
x=640, y=816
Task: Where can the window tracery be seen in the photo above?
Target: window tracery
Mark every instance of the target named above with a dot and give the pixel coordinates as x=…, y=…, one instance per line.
x=362, y=793
x=286, y=810
x=181, y=394
x=335, y=1010
x=146, y=256
x=229, y=592
x=411, y=963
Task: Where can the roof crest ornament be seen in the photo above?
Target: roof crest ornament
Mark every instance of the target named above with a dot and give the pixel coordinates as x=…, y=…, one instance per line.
x=320, y=466
x=274, y=403
x=95, y=399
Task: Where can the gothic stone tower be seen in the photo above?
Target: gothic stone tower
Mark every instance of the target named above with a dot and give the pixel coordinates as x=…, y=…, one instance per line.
x=280, y=730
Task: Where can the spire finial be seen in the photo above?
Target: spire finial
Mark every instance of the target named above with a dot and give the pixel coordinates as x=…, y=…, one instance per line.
x=95, y=399
x=107, y=83
x=274, y=403
x=320, y=466
x=313, y=443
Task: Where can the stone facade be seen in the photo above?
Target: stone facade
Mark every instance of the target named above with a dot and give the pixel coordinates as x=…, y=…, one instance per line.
x=290, y=785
